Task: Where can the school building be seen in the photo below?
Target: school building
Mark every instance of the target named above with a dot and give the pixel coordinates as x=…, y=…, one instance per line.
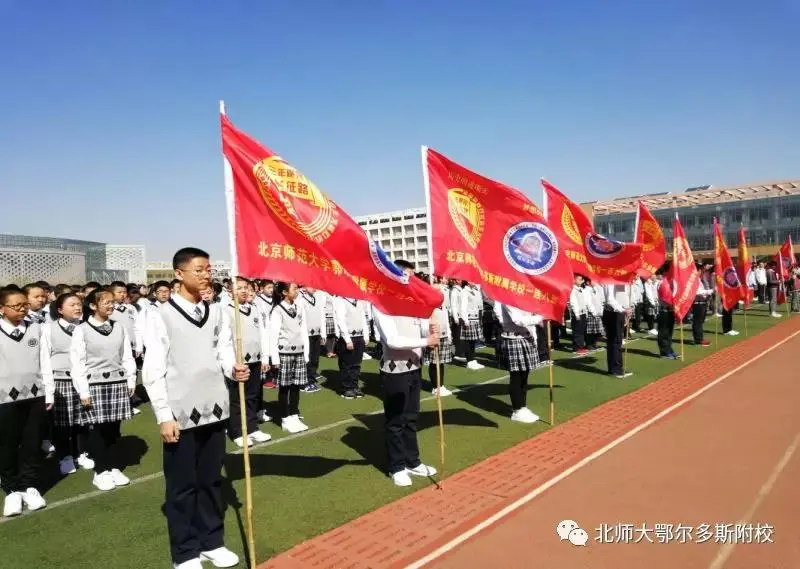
x=769, y=212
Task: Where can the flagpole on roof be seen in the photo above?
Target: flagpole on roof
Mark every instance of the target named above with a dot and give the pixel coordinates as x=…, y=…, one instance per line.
x=237, y=333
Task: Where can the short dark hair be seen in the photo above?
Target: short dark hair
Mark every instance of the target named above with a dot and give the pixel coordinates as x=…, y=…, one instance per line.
x=8, y=291
x=403, y=264
x=118, y=284
x=29, y=287
x=158, y=284
x=186, y=254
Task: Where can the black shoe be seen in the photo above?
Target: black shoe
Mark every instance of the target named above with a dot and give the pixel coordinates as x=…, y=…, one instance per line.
x=349, y=394
x=359, y=393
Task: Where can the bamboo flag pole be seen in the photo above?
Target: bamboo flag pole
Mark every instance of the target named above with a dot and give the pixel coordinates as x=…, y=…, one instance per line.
x=436, y=353
x=550, y=357
x=716, y=296
x=745, y=321
x=230, y=205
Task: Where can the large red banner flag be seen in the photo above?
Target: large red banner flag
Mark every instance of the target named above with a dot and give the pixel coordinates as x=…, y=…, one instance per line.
x=684, y=271
x=744, y=266
x=283, y=227
x=603, y=260
x=787, y=255
x=729, y=287
x=483, y=231
x=651, y=238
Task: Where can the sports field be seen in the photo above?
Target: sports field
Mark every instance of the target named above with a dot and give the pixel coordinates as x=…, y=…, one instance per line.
x=306, y=484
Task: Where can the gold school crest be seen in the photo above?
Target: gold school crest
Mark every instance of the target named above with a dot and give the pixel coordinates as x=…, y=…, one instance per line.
x=570, y=226
x=467, y=214
x=295, y=200
x=653, y=232
x=682, y=253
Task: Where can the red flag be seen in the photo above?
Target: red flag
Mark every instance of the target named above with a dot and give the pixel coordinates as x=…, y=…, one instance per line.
x=484, y=231
x=744, y=266
x=783, y=274
x=684, y=271
x=603, y=260
x=654, y=246
x=787, y=255
x=729, y=287
x=285, y=228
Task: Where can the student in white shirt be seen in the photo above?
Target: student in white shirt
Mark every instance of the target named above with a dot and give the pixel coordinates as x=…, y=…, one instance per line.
x=617, y=309
x=578, y=314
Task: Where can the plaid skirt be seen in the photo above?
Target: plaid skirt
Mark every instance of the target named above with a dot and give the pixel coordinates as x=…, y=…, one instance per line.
x=446, y=353
x=330, y=327
x=594, y=325
x=650, y=310
x=67, y=404
x=795, y=300
x=472, y=331
x=518, y=354
x=110, y=402
x=292, y=370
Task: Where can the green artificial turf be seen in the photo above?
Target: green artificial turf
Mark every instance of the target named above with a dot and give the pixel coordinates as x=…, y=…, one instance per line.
x=309, y=484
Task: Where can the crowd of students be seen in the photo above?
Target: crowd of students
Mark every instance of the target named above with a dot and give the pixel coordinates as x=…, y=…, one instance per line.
x=70, y=358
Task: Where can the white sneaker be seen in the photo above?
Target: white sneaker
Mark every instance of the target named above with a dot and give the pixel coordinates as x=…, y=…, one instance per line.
x=85, y=462
x=262, y=417
x=67, y=466
x=732, y=333
x=366, y=356
x=776, y=315
x=191, y=564
x=33, y=500
x=441, y=391
x=292, y=424
x=118, y=478
x=524, y=415
x=259, y=436
x=473, y=365
x=103, y=481
x=300, y=425
x=220, y=557
x=12, y=505
x=48, y=447
x=401, y=478
x=653, y=332
x=422, y=470
x=239, y=442
x=136, y=411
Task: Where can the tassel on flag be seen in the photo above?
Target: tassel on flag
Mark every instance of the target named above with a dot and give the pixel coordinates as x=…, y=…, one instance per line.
x=485, y=232
x=650, y=236
x=603, y=260
x=287, y=229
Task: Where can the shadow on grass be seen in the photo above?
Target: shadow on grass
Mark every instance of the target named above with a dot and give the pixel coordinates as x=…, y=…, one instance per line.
x=493, y=398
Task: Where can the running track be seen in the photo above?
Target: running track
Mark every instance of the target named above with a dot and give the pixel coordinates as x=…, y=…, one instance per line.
x=715, y=443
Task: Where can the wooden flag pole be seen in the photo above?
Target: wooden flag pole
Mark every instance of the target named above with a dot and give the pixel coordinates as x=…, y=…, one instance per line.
x=550, y=357
x=716, y=325
x=745, y=321
x=682, y=352
x=437, y=353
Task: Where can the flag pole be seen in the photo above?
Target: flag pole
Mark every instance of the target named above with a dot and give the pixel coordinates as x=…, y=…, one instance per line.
x=550, y=357
x=716, y=295
x=745, y=319
x=437, y=351
x=237, y=326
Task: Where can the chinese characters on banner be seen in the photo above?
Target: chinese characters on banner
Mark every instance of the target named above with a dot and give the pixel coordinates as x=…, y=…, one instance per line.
x=683, y=272
x=485, y=232
x=651, y=238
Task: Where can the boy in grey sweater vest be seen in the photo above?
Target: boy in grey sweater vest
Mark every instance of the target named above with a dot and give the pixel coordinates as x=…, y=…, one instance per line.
x=403, y=340
x=189, y=354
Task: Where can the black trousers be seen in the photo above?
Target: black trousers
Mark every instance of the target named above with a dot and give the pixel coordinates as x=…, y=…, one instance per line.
x=289, y=400
x=614, y=323
x=70, y=441
x=542, y=346
x=350, y=362
x=579, y=331
x=432, y=370
x=761, y=291
x=455, y=327
x=555, y=333
x=699, y=310
x=401, y=412
x=103, y=439
x=193, y=500
x=469, y=349
x=314, y=349
x=21, y=426
x=666, y=328
x=518, y=389
x=727, y=321
x=638, y=316
x=253, y=396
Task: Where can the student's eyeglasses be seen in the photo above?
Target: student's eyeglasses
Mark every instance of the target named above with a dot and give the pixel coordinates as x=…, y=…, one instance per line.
x=198, y=272
x=18, y=307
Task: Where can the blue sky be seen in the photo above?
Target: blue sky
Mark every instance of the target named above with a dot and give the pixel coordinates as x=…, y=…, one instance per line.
x=108, y=110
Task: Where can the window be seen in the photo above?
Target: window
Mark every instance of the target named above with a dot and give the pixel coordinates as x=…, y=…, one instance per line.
x=790, y=210
x=602, y=227
x=758, y=214
x=735, y=216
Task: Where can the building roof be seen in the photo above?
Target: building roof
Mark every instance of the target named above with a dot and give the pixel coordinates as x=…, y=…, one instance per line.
x=702, y=195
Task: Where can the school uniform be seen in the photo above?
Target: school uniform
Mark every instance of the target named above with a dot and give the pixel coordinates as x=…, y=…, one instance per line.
x=594, y=313
x=288, y=338
x=255, y=350
x=36, y=317
x=651, y=304
x=369, y=333
x=70, y=437
x=263, y=304
x=700, y=309
x=471, y=330
x=435, y=358
x=314, y=308
x=795, y=282
x=126, y=315
x=103, y=369
x=666, y=318
x=578, y=311
x=26, y=387
x=617, y=299
x=330, y=325
x=519, y=355
x=455, y=319
x=403, y=340
x=637, y=304
x=351, y=325
x=772, y=286
x=190, y=352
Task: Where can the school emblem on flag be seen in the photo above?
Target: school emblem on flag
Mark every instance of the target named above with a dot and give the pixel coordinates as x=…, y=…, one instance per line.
x=531, y=248
x=653, y=231
x=297, y=202
x=683, y=255
x=603, y=247
x=730, y=279
x=385, y=265
x=570, y=225
x=467, y=215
